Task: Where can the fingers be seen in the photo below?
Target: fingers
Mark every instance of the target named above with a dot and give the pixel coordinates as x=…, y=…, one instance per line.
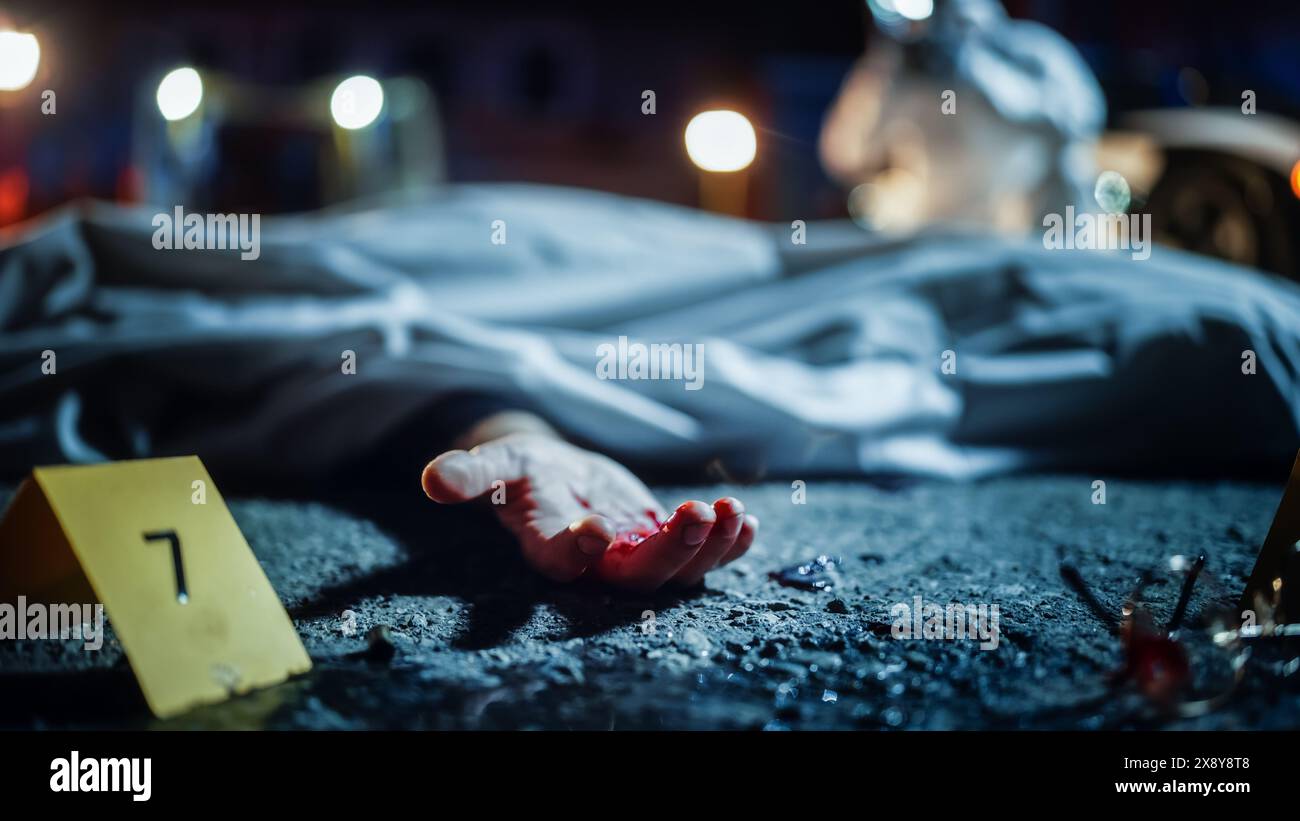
x=746, y=538
x=648, y=564
x=567, y=555
x=730, y=520
x=459, y=476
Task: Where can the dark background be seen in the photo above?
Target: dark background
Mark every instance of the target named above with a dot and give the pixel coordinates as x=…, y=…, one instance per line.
x=551, y=91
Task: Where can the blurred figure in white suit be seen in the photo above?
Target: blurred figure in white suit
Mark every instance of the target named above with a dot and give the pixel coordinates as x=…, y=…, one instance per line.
x=959, y=115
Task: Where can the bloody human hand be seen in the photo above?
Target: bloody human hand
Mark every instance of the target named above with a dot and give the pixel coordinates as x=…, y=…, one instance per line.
x=576, y=513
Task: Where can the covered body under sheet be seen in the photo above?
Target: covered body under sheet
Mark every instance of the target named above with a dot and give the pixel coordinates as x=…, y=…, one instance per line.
x=819, y=359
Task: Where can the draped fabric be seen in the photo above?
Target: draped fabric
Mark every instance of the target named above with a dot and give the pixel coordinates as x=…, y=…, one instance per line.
x=937, y=355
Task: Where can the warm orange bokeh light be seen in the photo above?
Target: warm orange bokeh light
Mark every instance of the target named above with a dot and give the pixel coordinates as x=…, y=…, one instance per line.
x=1295, y=179
x=13, y=195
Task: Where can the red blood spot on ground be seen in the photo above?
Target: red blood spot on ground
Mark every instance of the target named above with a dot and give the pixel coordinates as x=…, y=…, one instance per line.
x=1157, y=664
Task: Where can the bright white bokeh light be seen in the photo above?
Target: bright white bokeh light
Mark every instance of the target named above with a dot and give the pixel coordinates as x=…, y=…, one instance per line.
x=1112, y=192
x=357, y=102
x=915, y=9
x=720, y=141
x=180, y=93
x=20, y=56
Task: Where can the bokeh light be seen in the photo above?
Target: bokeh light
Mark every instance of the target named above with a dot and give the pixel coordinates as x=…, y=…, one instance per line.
x=896, y=17
x=914, y=9
x=20, y=56
x=1112, y=192
x=180, y=93
x=721, y=141
x=357, y=102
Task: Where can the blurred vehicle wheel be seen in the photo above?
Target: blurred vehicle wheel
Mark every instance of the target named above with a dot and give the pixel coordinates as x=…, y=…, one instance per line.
x=1226, y=207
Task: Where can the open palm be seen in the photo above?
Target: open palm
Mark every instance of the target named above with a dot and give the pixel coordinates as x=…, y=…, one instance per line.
x=579, y=513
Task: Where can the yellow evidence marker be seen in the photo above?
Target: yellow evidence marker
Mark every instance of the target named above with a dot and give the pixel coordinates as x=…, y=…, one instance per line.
x=153, y=541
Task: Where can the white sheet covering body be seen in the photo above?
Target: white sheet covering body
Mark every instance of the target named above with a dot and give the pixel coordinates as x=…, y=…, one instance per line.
x=818, y=359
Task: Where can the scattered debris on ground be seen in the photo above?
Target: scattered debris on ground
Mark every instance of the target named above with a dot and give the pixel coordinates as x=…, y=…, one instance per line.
x=419, y=617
